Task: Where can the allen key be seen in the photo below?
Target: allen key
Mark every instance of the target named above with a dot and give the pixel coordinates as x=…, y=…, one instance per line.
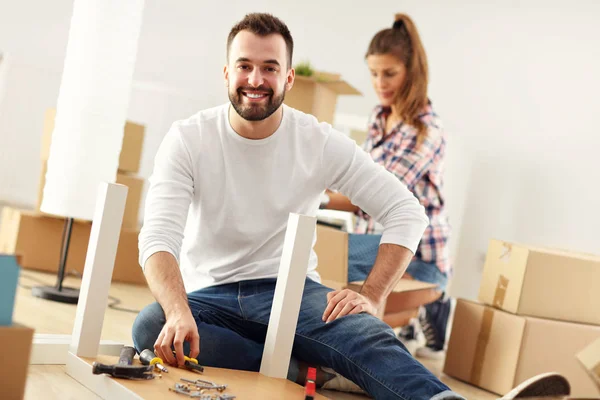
x=202, y=384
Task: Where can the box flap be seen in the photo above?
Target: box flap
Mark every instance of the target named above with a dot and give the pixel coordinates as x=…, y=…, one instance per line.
x=302, y=78
x=503, y=275
x=589, y=357
x=321, y=76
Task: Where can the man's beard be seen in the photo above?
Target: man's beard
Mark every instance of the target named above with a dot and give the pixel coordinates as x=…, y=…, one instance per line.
x=255, y=112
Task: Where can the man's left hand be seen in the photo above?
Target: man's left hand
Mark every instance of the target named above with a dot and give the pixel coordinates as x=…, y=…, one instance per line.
x=347, y=302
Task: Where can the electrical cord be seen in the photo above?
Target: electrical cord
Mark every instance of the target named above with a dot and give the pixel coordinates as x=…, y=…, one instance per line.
x=113, y=304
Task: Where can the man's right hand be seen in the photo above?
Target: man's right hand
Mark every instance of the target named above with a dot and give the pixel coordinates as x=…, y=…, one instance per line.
x=180, y=327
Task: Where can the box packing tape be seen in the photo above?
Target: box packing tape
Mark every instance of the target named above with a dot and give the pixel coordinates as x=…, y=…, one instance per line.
x=507, y=251
x=503, y=281
x=481, y=346
x=500, y=292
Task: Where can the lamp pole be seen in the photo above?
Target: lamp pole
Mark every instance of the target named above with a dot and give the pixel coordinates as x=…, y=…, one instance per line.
x=58, y=292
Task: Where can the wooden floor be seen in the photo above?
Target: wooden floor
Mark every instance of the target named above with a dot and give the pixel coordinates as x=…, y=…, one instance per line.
x=51, y=382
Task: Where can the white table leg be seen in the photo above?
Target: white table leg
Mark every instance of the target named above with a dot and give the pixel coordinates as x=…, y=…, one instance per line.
x=288, y=296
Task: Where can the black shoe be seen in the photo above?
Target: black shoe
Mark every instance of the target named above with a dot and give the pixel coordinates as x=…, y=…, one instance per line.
x=408, y=337
x=407, y=333
x=434, y=321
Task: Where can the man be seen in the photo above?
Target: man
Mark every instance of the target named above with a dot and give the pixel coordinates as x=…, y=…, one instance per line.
x=229, y=177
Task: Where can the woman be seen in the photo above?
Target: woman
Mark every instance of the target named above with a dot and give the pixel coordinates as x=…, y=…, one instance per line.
x=406, y=137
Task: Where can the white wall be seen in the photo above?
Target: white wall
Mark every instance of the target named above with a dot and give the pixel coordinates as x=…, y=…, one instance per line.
x=515, y=82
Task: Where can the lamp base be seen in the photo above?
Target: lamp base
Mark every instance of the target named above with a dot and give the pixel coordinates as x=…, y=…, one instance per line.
x=65, y=295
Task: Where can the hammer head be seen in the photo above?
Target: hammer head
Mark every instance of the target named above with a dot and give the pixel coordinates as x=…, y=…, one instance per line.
x=124, y=371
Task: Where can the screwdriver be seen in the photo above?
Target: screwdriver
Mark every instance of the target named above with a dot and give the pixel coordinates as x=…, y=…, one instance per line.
x=191, y=363
x=147, y=357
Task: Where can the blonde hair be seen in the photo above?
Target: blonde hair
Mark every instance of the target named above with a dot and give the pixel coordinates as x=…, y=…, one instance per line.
x=404, y=42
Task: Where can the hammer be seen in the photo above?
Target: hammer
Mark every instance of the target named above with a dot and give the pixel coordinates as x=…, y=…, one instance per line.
x=124, y=369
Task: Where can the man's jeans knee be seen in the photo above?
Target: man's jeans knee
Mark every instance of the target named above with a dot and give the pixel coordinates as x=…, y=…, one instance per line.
x=147, y=327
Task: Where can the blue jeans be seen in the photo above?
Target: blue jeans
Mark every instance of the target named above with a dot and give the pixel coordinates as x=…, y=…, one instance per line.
x=362, y=251
x=232, y=322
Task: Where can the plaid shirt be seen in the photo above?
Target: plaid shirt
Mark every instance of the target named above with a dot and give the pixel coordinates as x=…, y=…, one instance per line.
x=420, y=169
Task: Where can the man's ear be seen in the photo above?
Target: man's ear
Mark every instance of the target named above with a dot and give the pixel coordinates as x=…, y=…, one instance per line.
x=291, y=76
x=226, y=74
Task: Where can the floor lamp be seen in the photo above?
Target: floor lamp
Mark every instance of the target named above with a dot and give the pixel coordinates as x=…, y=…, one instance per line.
x=91, y=112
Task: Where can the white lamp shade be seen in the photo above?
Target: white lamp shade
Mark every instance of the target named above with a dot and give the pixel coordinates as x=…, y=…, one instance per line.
x=92, y=104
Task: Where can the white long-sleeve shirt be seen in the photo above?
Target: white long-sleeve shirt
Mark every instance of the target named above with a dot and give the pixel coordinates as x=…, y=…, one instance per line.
x=220, y=203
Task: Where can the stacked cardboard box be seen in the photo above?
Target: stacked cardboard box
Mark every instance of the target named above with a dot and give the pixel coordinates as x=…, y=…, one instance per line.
x=538, y=310
x=317, y=94
x=129, y=166
x=37, y=236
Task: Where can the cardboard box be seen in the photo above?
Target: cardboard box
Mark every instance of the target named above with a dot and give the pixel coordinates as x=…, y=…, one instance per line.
x=359, y=136
x=540, y=282
x=332, y=255
x=590, y=360
x=134, y=199
x=134, y=196
x=131, y=150
x=16, y=340
x=496, y=350
x=37, y=239
x=317, y=94
x=400, y=305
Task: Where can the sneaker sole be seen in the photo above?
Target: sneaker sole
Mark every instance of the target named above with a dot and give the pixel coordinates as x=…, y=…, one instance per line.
x=340, y=383
x=549, y=384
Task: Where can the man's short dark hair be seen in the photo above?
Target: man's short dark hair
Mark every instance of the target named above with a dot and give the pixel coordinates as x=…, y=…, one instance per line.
x=262, y=24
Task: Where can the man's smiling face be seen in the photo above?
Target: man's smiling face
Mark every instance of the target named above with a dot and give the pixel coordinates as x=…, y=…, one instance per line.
x=257, y=74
